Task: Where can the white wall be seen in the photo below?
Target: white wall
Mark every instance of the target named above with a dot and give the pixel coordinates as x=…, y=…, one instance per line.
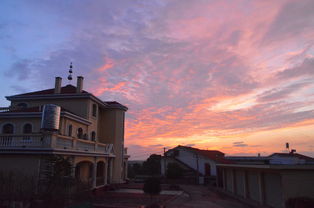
x=286, y=160
x=189, y=158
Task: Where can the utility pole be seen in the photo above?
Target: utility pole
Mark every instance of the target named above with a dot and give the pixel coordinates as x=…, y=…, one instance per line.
x=197, y=168
x=165, y=161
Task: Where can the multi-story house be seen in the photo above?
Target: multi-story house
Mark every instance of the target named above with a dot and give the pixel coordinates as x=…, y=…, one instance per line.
x=65, y=121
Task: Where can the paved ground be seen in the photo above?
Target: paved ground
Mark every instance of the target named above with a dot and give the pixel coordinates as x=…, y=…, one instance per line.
x=192, y=196
x=202, y=197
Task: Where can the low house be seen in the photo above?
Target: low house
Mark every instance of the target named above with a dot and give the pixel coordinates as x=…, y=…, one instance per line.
x=267, y=185
x=202, y=162
x=291, y=158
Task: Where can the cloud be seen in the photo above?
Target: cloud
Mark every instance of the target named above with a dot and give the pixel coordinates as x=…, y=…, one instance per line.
x=304, y=69
x=20, y=69
x=239, y=144
x=294, y=19
x=279, y=94
x=188, y=73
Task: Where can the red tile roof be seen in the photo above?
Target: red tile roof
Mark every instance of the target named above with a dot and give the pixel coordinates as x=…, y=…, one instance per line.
x=32, y=109
x=215, y=155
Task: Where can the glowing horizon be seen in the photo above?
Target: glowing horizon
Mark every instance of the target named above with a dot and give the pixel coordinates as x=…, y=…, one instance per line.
x=233, y=76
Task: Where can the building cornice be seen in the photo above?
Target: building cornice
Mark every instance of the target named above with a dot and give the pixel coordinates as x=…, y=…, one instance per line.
x=20, y=114
x=56, y=96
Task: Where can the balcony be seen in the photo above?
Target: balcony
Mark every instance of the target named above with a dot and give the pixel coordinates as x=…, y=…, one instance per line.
x=52, y=141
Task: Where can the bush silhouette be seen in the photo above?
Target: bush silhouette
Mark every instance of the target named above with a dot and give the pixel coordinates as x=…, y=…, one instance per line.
x=152, y=186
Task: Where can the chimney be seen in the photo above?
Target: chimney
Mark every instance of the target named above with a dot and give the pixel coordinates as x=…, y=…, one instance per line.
x=79, y=85
x=58, y=85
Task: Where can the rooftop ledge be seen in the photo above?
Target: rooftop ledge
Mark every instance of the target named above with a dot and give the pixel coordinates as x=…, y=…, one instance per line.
x=274, y=167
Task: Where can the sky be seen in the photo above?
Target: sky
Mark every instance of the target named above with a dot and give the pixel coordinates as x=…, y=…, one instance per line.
x=235, y=76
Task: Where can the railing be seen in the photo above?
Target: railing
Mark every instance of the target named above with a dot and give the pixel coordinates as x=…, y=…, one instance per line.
x=53, y=141
x=4, y=109
x=85, y=145
x=31, y=141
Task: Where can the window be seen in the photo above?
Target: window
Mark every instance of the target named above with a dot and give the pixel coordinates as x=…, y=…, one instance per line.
x=80, y=133
x=93, y=136
x=7, y=129
x=70, y=130
x=94, y=110
x=22, y=105
x=27, y=128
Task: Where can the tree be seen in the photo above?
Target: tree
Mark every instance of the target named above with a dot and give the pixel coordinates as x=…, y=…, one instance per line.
x=57, y=181
x=152, y=165
x=174, y=171
x=152, y=187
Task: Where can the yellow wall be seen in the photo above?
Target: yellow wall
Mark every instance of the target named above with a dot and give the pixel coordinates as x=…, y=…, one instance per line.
x=78, y=106
x=111, y=130
x=298, y=183
x=18, y=124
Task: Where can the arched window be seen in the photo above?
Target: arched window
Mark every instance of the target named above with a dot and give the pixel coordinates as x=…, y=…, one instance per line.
x=70, y=130
x=22, y=105
x=93, y=136
x=80, y=133
x=27, y=128
x=8, y=129
x=94, y=110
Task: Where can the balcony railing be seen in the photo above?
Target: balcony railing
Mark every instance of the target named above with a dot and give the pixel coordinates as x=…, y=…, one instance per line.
x=52, y=141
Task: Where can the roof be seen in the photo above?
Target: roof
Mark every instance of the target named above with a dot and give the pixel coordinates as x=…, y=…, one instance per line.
x=214, y=155
x=274, y=167
x=297, y=155
x=68, y=89
x=115, y=104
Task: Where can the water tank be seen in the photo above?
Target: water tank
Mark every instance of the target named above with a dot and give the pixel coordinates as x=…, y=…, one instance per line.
x=50, y=117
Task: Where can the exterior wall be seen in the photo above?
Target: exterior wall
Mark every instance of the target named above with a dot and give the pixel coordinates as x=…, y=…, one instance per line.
x=18, y=124
x=298, y=184
x=240, y=182
x=191, y=159
x=79, y=106
x=93, y=119
x=20, y=164
x=64, y=127
x=253, y=186
x=273, y=191
x=266, y=186
x=111, y=130
x=229, y=180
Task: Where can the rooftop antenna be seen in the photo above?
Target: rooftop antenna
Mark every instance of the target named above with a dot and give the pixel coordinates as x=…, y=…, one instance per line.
x=288, y=147
x=70, y=72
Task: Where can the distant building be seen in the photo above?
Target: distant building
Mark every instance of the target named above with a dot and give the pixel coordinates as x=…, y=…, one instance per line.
x=201, y=162
x=283, y=176
x=66, y=121
x=291, y=158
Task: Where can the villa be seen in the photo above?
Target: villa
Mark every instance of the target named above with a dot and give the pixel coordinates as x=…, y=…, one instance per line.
x=66, y=121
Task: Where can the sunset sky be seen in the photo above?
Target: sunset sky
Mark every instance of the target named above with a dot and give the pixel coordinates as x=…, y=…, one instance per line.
x=236, y=76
